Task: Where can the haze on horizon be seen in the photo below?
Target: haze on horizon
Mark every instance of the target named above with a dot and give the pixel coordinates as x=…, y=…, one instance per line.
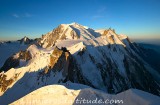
x=138, y=19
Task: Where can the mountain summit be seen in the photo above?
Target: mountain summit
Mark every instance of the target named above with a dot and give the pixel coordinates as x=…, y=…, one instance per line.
x=67, y=31
x=102, y=60
x=25, y=40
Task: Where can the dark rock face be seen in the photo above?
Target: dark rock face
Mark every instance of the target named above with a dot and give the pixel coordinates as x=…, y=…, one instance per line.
x=139, y=77
x=25, y=55
x=60, y=60
x=14, y=60
x=11, y=62
x=150, y=56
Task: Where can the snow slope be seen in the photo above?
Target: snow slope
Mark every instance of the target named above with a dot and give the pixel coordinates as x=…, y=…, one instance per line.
x=40, y=59
x=60, y=95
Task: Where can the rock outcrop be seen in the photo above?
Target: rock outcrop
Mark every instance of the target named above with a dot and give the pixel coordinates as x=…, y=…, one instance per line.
x=14, y=60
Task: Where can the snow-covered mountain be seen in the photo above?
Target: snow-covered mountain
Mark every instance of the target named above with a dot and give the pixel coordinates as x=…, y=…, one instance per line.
x=67, y=31
x=60, y=95
x=104, y=59
x=101, y=59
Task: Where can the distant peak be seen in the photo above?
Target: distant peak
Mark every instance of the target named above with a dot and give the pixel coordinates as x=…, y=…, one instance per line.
x=25, y=40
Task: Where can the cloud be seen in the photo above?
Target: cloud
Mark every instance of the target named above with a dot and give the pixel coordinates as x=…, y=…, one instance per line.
x=25, y=15
x=15, y=15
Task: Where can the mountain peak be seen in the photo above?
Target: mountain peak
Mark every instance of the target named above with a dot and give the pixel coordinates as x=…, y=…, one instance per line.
x=74, y=31
x=25, y=40
x=74, y=24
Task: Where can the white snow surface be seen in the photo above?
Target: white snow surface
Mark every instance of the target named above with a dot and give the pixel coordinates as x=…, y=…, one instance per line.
x=60, y=95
